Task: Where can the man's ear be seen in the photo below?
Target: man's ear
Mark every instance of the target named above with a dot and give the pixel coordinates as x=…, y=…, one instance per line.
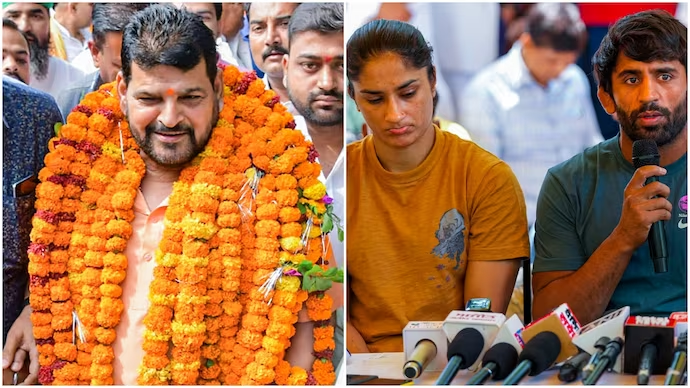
x=218, y=85
x=606, y=101
x=122, y=91
x=285, y=62
x=95, y=54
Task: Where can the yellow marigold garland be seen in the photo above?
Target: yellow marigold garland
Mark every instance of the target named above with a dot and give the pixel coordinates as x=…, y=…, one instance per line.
x=247, y=209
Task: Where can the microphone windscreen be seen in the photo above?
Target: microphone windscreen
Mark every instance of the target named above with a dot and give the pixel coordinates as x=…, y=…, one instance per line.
x=542, y=351
x=645, y=153
x=504, y=356
x=468, y=344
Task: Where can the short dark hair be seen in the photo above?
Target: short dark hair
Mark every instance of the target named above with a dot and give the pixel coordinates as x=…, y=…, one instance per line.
x=219, y=10
x=164, y=35
x=556, y=26
x=112, y=17
x=12, y=25
x=646, y=36
x=381, y=36
x=326, y=18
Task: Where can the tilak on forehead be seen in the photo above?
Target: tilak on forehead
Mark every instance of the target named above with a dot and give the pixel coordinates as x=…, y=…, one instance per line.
x=170, y=92
x=328, y=58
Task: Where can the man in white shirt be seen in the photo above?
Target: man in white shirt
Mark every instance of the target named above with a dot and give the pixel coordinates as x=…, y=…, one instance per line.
x=48, y=74
x=532, y=107
x=314, y=79
x=231, y=23
x=268, y=41
x=70, y=29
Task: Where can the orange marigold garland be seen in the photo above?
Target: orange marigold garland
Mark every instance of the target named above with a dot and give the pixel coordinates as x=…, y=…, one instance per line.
x=242, y=250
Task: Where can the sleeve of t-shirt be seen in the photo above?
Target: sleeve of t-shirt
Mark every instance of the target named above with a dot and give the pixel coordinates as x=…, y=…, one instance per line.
x=498, y=217
x=556, y=241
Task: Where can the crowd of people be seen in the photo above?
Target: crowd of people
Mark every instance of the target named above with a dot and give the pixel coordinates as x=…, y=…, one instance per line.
x=458, y=169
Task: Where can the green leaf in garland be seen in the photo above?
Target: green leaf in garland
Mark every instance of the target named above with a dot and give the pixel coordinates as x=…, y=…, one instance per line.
x=57, y=128
x=327, y=224
x=302, y=208
x=341, y=235
x=209, y=363
x=300, y=192
x=304, y=266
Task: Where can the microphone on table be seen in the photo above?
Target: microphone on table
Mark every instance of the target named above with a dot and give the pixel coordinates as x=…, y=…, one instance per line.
x=563, y=324
x=572, y=367
x=600, y=346
x=681, y=320
x=646, y=153
x=501, y=357
x=538, y=355
x=486, y=323
x=595, y=335
x=463, y=351
x=649, y=346
x=497, y=363
x=679, y=364
x=606, y=361
x=425, y=344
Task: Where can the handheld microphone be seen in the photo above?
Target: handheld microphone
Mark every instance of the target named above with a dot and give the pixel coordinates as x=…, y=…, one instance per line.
x=606, y=361
x=572, y=367
x=498, y=361
x=537, y=356
x=561, y=322
x=463, y=351
x=679, y=364
x=486, y=323
x=425, y=346
x=649, y=346
x=645, y=153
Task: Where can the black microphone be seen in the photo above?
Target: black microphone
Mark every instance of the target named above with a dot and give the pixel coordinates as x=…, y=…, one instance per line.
x=606, y=361
x=463, y=351
x=572, y=367
x=646, y=153
x=679, y=363
x=600, y=345
x=498, y=361
x=537, y=356
x=648, y=346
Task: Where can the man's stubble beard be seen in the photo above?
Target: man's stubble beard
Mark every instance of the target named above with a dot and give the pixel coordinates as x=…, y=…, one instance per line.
x=147, y=146
x=676, y=121
x=310, y=116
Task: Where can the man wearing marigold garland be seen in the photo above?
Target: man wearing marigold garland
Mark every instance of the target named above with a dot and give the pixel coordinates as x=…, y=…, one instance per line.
x=314, y=80
x=152, y=291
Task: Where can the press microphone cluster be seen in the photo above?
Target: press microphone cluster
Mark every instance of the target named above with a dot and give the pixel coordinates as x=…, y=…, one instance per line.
x=605, y=361
x=463, y=351
x=537, y=356
x=425, y=345
x=645, y=153
x=679, y=364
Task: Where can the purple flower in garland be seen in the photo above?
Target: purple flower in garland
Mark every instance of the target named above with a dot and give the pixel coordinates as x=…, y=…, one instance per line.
x=292, y=272
x=327, y=200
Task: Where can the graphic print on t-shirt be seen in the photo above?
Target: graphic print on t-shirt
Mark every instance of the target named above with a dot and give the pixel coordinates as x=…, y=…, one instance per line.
x=683, y=216
x=451, y=237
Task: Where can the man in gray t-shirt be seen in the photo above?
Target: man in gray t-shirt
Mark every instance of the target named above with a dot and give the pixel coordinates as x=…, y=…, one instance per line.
x=594, y=211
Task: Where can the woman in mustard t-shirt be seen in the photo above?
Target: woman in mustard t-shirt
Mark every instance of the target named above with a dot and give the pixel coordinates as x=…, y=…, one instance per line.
x=432, y=220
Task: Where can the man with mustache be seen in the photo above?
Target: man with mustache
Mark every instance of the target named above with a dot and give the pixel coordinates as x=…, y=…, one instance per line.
x=595, y=212
x=268, y=41
x=49, y=74
x=314, y=80
x=15, y=52
x=170, y=91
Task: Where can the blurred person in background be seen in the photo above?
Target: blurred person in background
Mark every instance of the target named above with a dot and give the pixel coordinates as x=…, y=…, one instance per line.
x=531, y=108
x=15, y=52
x=109, y=21
x=49, y=74
x=69, y=29
x=268, y=41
